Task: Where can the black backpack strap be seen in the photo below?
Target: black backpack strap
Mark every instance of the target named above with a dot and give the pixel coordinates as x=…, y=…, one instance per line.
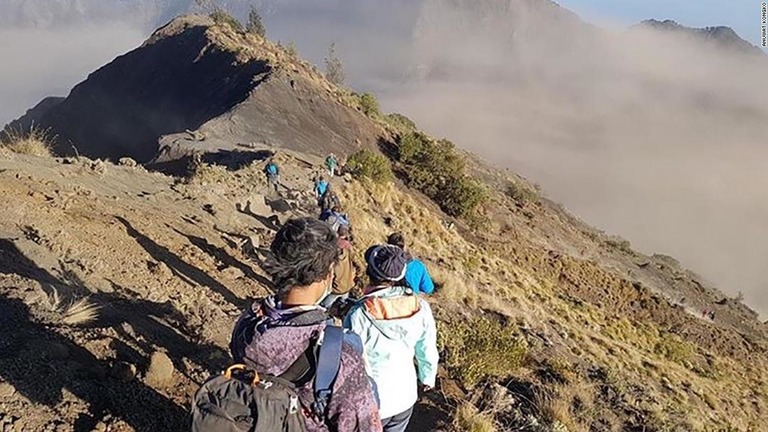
x=328, y=363
x=303, y=369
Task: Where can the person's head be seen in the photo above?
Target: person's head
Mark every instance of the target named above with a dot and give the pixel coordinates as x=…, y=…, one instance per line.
x=304, y=252
x=385, y=264
x=396, y=239
x=321, y=178
x=335, y=209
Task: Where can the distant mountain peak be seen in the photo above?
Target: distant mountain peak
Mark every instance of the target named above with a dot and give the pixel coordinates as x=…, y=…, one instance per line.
x=720, y=36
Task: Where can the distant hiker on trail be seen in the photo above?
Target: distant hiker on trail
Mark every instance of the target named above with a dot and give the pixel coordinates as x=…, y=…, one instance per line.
x=329, y=200
x=276, y=335
x=344, y=272
x=335, y=217
x=321, y=186
x=331, y=162
x=416, y=274
x=395, y=326
x=273, y=174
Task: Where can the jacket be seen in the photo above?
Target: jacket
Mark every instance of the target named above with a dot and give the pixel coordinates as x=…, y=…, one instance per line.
x=352, y=406
x=417, y=277
x=395, y=327
x=320, y=188
x=344, y=269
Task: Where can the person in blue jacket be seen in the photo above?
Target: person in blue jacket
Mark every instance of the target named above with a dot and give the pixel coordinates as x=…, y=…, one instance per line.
x=416, y=274
x=320, y=187
x=395, y=327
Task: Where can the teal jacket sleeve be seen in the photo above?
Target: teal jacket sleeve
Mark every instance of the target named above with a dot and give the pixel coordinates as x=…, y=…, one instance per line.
x=427, y=355
x=426, y=285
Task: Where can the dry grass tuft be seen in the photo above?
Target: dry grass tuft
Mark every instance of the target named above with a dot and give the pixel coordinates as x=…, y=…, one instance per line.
x=35, y=142
x=478, y=348
x=71, y=313
x=469, y=419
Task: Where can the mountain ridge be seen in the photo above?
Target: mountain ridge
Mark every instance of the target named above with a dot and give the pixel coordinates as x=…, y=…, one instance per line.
x=545, y=322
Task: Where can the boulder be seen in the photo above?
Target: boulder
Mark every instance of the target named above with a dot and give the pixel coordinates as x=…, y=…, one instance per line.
x=126, y=161
x=160, y=372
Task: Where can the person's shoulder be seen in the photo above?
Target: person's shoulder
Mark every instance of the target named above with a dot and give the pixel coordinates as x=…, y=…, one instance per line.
x=416, y=264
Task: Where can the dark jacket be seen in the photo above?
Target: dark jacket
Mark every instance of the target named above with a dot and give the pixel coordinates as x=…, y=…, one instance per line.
x=272, y=350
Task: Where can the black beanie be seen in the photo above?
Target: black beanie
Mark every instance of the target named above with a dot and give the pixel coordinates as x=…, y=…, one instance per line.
x=386, y=262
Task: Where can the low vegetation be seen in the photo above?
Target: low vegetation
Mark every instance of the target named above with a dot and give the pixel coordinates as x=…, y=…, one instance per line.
x=436, y=169
x=469, y=419
x=222, y=17
x=369, y=105
x=34, y=142
x=478, y=348
x=401, y=123
x=368, y=164
x=522, y=193
x=334, y=68
x=69, y=312
x=255, y=24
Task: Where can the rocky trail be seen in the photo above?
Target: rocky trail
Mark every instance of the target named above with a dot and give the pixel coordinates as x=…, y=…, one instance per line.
x=166, y=267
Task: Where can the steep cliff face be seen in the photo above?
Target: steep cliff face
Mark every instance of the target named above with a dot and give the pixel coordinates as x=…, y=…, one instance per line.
x=193, y=74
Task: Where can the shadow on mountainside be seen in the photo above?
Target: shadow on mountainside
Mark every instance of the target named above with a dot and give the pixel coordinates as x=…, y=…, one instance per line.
x=163, y=87
x=225, y=258
x=179, y=267
x=42, y=364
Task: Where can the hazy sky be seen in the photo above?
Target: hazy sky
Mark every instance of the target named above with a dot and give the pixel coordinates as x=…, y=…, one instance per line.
x=741, y=15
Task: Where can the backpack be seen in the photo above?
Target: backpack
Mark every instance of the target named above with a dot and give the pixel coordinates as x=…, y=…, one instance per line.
x=272, y=169
x=242, y=400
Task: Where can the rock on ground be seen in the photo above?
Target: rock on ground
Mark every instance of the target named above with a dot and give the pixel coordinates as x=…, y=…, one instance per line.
x=160, y=372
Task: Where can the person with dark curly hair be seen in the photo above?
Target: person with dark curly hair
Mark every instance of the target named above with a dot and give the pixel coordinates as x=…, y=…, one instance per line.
x=275, y=332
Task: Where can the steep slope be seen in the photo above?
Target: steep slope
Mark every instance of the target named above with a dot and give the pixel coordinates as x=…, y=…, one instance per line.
x=190, y=75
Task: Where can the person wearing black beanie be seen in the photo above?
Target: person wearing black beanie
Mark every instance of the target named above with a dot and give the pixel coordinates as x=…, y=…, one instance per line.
x=395, y=326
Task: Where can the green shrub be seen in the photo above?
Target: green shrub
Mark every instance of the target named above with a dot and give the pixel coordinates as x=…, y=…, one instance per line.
x=522, y=193
x=462, y=197
x=400, y=122
x=369, y=104
x=255, y=25
x=480, y=348
x=291, y=50
x=370, y=164
x=437, y=170
x=334, y=68
x=221, y=17
x=673, y=348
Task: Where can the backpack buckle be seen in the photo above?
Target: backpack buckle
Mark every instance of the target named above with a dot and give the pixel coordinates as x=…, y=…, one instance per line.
x=293, y=407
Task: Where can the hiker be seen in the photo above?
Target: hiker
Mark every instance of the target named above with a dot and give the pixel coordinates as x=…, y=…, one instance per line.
x=335, y=216
x=321, y=186
x=331, y=162
x=273, y=173
x=344, y=271
x=416, y=274
x=395, y=326
x=276, y=333
x=329, y=200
